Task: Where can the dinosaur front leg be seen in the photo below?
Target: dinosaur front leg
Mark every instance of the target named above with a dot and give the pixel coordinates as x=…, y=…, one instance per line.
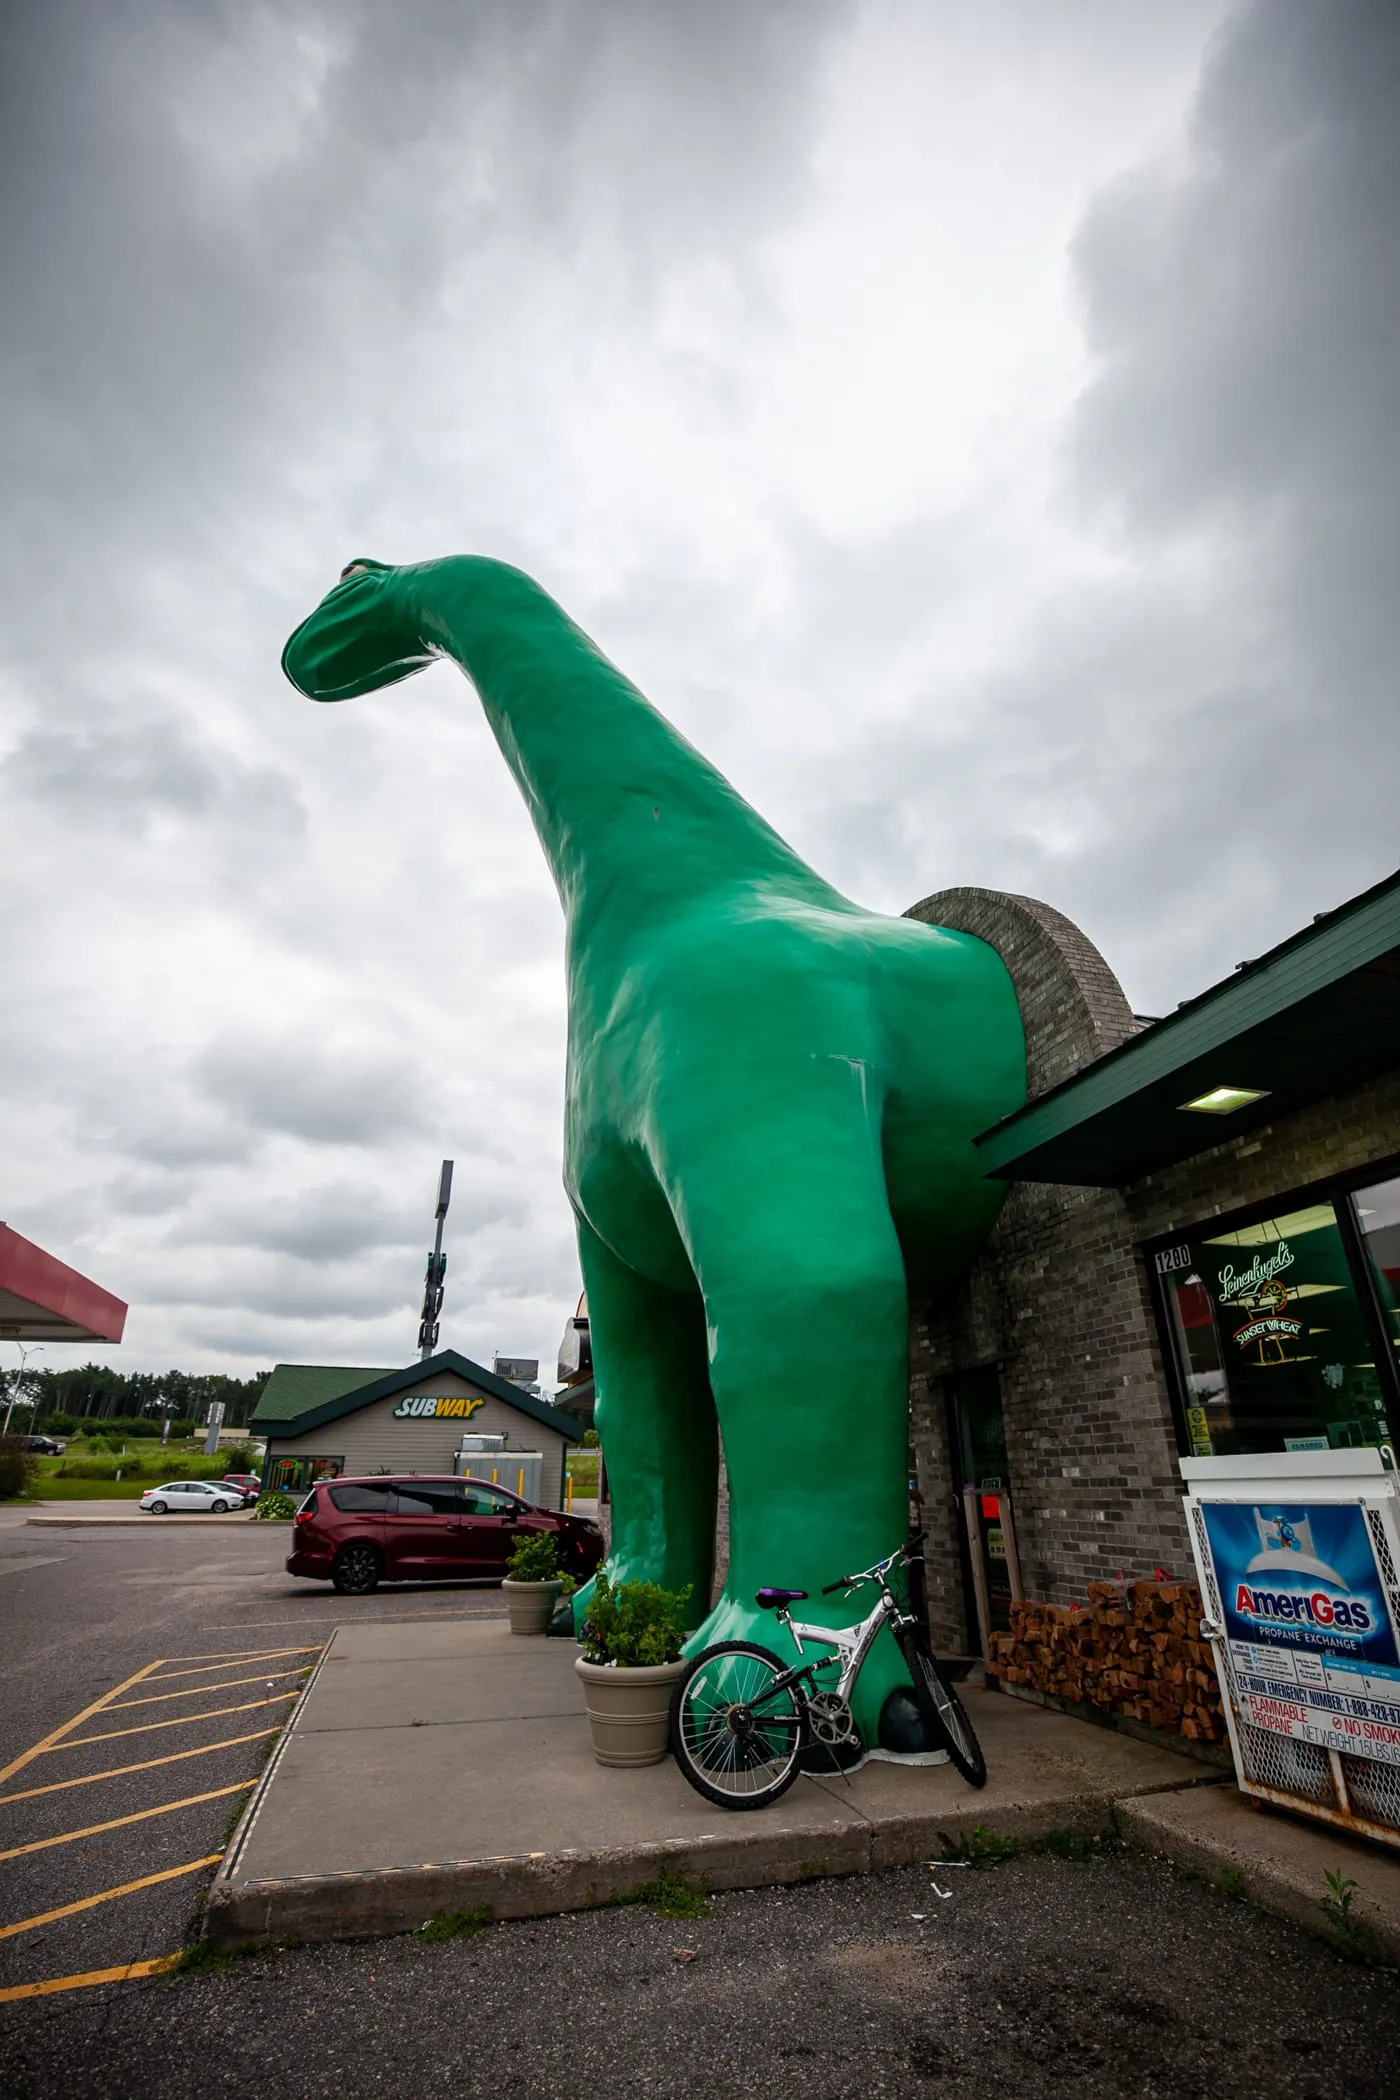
x=806, y=1302
x=656, y=1419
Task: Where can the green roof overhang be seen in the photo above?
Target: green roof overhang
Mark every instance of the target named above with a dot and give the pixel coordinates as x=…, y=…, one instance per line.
x=1316, y=1015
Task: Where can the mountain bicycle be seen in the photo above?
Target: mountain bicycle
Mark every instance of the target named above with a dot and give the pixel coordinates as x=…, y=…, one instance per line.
x=741, y=1718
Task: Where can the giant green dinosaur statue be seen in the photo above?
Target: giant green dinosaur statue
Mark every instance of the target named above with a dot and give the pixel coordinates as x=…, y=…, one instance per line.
x=771, y=1101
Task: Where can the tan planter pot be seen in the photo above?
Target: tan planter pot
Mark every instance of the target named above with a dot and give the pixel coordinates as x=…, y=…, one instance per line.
x=629, y=1711
x=531, y=1604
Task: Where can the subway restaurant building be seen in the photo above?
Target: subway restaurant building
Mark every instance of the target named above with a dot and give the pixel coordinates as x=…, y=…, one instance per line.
x=325, y=1420
x=1199, y=1253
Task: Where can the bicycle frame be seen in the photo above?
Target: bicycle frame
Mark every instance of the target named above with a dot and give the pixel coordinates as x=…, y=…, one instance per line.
x=851, y=1643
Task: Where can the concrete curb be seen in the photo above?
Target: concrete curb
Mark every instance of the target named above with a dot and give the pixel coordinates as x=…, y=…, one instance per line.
x=1280, y=1860
x=537, y=1884
x=242, y=1516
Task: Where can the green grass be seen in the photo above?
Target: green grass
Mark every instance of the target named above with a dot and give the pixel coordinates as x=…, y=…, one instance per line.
x=205, y=1959
x=456, y=1924
x=146, y=1464
x=982, y=1849
x=1353, y=1939
x=668, y=1895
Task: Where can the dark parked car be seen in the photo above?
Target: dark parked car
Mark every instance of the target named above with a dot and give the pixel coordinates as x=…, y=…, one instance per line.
x=425, y=1528
x=247, y=1485
x=46, y=1446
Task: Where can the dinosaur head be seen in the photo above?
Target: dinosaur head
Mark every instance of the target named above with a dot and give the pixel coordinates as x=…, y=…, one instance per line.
x=362, y=635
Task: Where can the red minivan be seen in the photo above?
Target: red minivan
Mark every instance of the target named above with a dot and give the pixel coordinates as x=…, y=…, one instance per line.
x=425, y=1528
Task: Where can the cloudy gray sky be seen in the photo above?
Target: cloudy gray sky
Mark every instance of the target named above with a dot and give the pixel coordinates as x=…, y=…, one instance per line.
x=976, y=427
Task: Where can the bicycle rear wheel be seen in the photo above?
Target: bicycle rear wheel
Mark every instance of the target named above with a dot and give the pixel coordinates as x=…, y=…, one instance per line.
x=736, y=1739
x=942, y=1709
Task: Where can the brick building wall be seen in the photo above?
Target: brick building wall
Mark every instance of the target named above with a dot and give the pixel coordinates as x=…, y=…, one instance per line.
x=1059, y=1298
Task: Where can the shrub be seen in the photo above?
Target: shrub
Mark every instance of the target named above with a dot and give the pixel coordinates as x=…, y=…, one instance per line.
x=241, y=1459
x=275, y=1508
x=17, y=1467
x=59, y=1425
x=535, y=1558
x=636, y=1625
x=182, y=1427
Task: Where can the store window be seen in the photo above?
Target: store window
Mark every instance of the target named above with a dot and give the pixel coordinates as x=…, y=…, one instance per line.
x=288, y=1475
x=1378, y=1216
x=1273, y=1347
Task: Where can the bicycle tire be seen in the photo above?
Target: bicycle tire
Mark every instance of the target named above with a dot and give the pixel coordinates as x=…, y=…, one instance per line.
x=942, y=1709
x=705, y=1746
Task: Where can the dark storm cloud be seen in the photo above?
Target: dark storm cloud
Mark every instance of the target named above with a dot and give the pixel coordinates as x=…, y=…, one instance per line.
x=223, y=224
x=1244, y=312
x=1193, y=749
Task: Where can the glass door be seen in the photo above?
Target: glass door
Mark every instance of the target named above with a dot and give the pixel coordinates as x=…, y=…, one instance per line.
x=982, y=1478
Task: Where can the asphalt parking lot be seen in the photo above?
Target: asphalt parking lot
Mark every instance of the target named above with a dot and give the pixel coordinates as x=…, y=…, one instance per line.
x=1111, y=1976
x=146, y=1672
x=1117, y=1979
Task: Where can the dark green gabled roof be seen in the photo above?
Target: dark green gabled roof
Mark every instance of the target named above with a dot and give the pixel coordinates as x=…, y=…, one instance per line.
x=294, y=1390
x=300, y=1397
x=1316, y=1015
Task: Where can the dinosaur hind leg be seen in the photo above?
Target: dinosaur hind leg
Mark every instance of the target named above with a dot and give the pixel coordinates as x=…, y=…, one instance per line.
x=656, y=1419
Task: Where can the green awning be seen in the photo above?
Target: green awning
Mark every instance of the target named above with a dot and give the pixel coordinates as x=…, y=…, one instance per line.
x=1315, y=1016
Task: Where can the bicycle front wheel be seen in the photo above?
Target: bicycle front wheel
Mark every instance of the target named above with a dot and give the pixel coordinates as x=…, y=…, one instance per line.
x=737, y=1738
x=943, y=1710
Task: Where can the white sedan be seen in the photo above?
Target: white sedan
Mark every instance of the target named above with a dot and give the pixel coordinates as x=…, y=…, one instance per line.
x=186, y=1497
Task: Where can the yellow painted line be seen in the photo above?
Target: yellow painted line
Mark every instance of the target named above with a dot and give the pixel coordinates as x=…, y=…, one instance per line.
x=218, y=1662
x=89, y=1976
x=18, y=1763
x=128, y=1888
x=147, y=1764
x=167, y=1808
x=197, y=1691
x=183, y=1721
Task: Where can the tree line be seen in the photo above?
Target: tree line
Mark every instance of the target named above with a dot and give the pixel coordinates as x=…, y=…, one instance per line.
x=97, y=1393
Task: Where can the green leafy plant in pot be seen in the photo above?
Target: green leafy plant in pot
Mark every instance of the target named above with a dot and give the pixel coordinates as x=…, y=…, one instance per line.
x=630, y=1664
x=534, y=1582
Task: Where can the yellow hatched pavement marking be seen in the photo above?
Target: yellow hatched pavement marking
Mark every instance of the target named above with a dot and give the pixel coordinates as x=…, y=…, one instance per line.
x=147, y=1764
x=182, y=1721
x=51, y=1740
x=197, y=1691
x=90, y=1976
x=219, y=1662
x=231, y=1662
x=128, y=1888
x=142, y=1815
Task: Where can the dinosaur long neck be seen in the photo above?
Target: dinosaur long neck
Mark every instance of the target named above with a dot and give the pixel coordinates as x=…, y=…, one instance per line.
x=632, y=819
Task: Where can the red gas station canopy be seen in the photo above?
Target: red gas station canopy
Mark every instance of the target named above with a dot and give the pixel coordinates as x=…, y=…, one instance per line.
x=43, y=1300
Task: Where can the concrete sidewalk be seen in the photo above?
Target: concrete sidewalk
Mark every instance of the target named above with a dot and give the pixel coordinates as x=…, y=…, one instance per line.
x=434, y=1767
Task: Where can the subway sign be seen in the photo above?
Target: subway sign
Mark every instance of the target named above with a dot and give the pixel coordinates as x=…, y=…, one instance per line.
x=456, y=1407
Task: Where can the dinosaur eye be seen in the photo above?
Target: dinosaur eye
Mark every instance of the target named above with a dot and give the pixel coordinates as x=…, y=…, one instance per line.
x=354, y=568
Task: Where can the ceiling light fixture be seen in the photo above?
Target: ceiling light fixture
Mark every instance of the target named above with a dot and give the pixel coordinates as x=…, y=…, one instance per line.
x=1224, y=1100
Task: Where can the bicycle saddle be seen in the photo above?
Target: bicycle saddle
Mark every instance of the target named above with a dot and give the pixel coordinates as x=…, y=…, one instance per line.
x=769, y=1600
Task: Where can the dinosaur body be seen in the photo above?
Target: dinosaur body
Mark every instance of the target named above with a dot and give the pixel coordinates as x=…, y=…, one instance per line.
x=771, y=1101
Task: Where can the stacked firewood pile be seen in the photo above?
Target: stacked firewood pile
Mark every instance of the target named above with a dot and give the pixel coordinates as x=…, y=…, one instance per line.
x=1134, y=1649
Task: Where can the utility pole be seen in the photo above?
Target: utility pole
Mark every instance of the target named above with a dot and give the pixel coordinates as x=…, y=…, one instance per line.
x=437, y=1269
x=17, y=1379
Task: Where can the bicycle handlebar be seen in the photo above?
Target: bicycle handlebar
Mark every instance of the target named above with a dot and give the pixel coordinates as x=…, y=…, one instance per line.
x=904, y=1552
